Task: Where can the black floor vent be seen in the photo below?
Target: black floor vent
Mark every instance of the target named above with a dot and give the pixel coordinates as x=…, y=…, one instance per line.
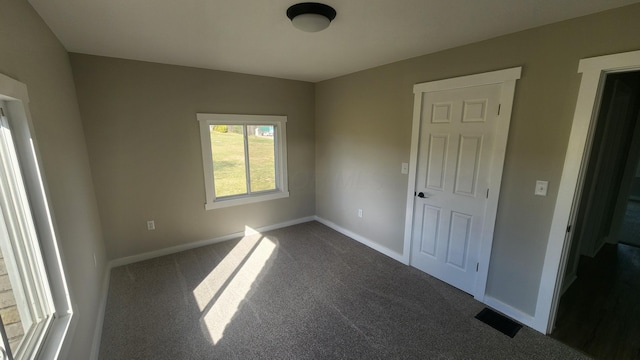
x=499, y=322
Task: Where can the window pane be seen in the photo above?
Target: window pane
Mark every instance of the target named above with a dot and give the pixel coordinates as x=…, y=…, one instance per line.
x=262, y=162
x=227, y=147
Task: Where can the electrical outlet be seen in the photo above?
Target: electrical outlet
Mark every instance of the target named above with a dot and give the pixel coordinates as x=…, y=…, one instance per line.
x=359, y=213
x=151, y=225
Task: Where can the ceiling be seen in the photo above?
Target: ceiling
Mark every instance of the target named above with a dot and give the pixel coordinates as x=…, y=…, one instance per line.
x=256, y=37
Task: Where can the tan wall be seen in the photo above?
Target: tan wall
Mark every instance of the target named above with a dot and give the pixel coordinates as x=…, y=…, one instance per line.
x=31, y=54
x=146, y=159
x=363, y=127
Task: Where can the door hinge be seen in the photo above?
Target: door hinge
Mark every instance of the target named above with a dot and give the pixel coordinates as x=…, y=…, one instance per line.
x=477, y=266
x=487, y=193
x=569, y=228
x=499, y=107
x=2, y=111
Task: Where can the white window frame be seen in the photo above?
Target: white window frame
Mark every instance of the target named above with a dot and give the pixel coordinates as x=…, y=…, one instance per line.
x=280, y=143
x=46, y=341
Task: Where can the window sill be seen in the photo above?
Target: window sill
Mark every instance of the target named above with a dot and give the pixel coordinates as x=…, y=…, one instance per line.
x=55, y=337
x=245, y=200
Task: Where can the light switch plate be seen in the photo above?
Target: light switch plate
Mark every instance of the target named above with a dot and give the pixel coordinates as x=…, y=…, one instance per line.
x=541, y=188
x=405, y=168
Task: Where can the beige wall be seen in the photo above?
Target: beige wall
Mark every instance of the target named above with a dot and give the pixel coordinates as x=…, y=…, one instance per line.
x=146, y=159
x=363, y=127
x=31, y=54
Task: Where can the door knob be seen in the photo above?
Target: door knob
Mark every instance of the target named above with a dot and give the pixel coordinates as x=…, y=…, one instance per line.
x=423, y=195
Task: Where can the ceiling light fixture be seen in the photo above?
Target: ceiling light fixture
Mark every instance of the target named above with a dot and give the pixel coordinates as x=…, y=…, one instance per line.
x=310, y=16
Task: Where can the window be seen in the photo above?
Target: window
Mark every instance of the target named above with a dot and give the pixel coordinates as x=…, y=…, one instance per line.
x=34, y=301
x=244, y=158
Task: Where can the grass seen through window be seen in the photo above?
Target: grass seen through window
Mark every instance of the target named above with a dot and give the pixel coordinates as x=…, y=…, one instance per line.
x=229, y=167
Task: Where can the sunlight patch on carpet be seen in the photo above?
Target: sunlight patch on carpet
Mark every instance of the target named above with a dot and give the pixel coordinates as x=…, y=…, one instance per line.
x=222, y=292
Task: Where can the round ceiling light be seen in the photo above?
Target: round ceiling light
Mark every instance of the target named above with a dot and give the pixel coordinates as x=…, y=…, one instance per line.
x=310, y=16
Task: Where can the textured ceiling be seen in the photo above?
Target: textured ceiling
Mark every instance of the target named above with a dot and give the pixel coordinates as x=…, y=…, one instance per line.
x=256, y=37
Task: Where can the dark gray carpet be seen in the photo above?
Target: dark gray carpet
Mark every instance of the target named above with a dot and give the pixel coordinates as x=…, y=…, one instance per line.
x=302, y=292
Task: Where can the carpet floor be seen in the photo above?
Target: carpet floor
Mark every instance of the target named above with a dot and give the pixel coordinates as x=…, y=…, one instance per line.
x=301, y=292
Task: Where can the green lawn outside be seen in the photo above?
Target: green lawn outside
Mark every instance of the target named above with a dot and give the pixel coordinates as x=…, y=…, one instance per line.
x=229, y=163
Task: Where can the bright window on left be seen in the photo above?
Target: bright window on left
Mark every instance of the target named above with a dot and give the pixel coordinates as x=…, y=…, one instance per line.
x=35, y=308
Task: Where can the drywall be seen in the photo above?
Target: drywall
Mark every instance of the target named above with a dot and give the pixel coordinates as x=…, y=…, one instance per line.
x=145, y=152
x=32, y=55
x=363, y=127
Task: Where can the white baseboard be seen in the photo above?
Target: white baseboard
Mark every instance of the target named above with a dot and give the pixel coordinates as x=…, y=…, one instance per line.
x=286, y=223
x=104, y=293
x=361, y=239
x=510, y=311
x=178, y=248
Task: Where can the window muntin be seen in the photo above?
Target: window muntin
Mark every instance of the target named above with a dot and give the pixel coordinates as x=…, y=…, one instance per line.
x=244, y=158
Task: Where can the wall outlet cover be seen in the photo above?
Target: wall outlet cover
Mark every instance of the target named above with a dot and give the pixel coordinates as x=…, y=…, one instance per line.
x=541, y=188
x=405, y=168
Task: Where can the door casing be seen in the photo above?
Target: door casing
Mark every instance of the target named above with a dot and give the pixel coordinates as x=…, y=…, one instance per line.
x=593, y=72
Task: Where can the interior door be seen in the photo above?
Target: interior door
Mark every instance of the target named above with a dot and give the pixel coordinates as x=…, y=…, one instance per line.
x=455, y=151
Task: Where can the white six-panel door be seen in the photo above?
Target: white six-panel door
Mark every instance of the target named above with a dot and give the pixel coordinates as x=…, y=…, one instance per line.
x=456, y=142
x=458, y=145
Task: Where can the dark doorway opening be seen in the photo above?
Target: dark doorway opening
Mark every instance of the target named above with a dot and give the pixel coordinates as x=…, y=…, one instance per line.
x=599, y=311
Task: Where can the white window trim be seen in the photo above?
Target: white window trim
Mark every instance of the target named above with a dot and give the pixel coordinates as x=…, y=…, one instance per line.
x=16, y=98
x=282, y=187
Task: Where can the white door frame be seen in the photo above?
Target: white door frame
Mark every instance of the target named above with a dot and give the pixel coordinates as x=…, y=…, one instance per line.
x=593, y=72
x=507, y=78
